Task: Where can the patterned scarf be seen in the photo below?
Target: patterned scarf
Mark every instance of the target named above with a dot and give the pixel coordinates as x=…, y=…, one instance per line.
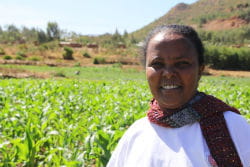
x=208, y=111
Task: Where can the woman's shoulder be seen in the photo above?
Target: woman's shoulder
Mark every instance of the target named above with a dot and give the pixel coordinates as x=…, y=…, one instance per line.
x=239, y=130
x=140, y=122
x=238, y=126
x=235, y=119
x=139, y=125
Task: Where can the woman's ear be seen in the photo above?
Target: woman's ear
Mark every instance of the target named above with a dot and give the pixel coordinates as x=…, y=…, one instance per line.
x=201, y=69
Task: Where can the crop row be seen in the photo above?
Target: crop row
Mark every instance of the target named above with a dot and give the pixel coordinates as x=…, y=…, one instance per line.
x=78, y=123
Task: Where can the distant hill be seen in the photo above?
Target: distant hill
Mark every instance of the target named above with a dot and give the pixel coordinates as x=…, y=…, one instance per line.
x=227, y=16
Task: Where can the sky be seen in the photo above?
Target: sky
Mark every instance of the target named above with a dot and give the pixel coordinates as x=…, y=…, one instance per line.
x=86, y=17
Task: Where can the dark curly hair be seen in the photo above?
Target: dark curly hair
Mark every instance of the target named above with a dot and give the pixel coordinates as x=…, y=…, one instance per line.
x=186, y=31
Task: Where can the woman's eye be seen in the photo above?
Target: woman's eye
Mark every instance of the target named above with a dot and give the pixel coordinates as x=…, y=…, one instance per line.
x=182, y=64
x=157, y=65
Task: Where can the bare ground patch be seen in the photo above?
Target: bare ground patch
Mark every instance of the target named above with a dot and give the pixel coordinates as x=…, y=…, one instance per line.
x=213, y=72
x=225, y=24
x=20, y=73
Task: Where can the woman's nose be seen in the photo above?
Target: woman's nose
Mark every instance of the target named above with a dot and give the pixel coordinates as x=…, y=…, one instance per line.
x=168, y=72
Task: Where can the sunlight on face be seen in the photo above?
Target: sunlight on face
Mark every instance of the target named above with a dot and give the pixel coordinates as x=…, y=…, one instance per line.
x=172, y=70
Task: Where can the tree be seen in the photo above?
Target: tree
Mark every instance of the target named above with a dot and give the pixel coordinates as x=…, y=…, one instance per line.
x=12, y=33
x=29, y=34
x=41, y=36
x=133, y=40
x=12, y=28
x=53, y=31
x=117, y=37
x=125, y=34
x=1, y=35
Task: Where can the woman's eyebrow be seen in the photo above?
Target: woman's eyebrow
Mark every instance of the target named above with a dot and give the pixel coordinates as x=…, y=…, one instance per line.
x=156, y=58
x=181, y=57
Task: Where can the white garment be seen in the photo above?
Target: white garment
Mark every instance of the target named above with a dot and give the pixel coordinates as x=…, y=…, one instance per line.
x=148, y=145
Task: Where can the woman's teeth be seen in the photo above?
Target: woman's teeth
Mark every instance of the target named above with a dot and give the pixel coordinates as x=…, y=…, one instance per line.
x=170, y=86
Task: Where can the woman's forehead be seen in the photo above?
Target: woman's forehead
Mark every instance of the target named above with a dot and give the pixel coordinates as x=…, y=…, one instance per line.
x=170, y=46
x=170, y=41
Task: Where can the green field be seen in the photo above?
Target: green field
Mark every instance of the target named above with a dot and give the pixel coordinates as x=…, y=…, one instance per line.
x=85, y=73
x=78, y=122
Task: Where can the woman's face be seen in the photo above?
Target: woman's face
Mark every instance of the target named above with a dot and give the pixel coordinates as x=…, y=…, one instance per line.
x=172, y=69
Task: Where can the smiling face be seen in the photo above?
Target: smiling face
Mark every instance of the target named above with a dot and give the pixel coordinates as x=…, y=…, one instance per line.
x=172, y=69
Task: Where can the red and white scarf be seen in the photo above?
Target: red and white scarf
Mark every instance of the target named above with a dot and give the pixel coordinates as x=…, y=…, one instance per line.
x=208, y=111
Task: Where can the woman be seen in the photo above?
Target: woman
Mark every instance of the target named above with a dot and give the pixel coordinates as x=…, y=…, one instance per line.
x=184, y=127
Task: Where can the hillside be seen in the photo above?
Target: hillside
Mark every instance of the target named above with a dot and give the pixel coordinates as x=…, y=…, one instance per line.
x=205, y=15
x=223, y=25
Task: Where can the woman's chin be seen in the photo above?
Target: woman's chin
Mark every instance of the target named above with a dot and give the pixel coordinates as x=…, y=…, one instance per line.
x=171, y=99
x=170, y=104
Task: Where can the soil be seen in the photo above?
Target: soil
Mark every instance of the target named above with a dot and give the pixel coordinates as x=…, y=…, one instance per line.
x=19, y=73
x=225, y=24
x=209, y=71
